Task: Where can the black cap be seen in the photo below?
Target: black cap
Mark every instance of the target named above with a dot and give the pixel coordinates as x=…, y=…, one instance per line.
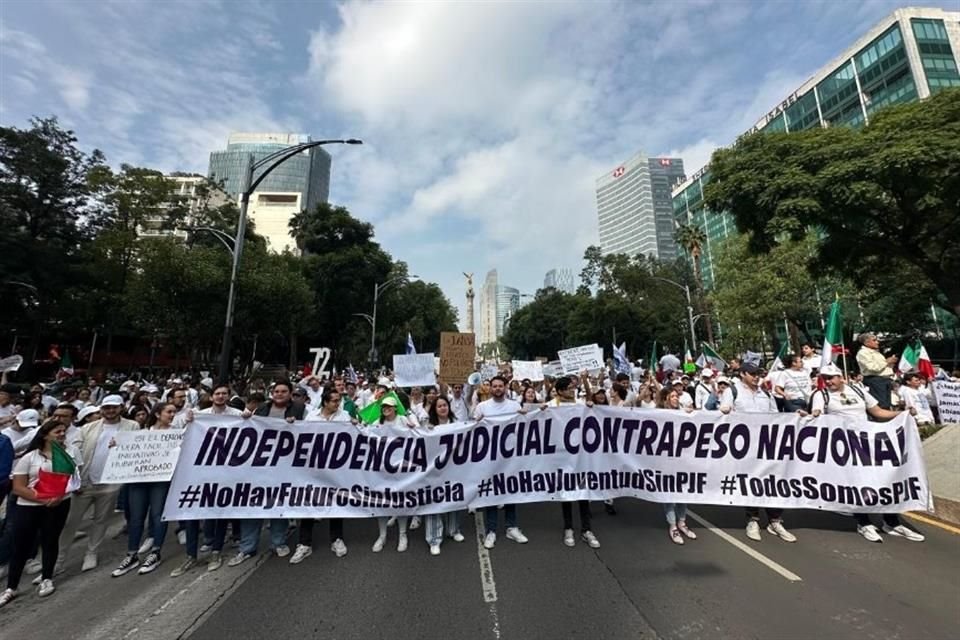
x=749, y=367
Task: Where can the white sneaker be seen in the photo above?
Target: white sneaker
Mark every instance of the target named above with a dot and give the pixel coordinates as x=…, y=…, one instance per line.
x=33, y=567
x=902, y=531
x=490, y=540
x=7, y=596
x=215, y=561
x=402, y=543
x=240, y=558
x=414, y=523
x=590, y=539
x=89, y=561
x=46, y=588
x=378, y=545
x=206, y=548
x=870, y=533
x=302, y=553
x=339, y=548
x=776, y=528
x=392, y=521
x=146, y=546
x=57, y=570
x=514, y=533
x=434, y=549
x=568, y=538
x=753, y=530
x=182, y=536
x=282, y=551
x=457, y=537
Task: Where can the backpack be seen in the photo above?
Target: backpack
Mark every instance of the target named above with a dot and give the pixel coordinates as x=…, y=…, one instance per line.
x=823, y=393
x=713, y=402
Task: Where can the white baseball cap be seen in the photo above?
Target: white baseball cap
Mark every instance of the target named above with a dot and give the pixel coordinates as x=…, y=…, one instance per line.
x=707, y=373
x=112, y=401
x=28, y=418
x=830, y=370
x=87, y=411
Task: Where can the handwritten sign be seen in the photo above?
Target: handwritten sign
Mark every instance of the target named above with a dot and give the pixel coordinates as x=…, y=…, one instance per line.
x=552, y=369
x=948, y=400
x=488, y=371
x=414, y=370
x=575, y=360
x=528, y=370
x=10, y=363
x=143, y=456
x=457, y=353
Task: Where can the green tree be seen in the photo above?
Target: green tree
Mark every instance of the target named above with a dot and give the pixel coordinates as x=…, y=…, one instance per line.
x=890, y=191
x=692, y=239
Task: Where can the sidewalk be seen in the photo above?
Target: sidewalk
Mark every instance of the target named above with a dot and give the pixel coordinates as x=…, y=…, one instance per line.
x=942, y=454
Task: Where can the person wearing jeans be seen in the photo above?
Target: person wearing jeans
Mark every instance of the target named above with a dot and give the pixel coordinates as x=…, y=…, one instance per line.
x=676, y=513
x=250, y=538
x=216, y=532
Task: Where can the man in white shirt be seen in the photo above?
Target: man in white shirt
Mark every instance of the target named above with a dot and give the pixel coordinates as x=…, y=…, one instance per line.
x=500, y=405
x=809, y=357
x=459, y=404
x=752, y=398
x=669, y=363
x=95, y=442
x=314, y=391
x=703, y=389
x=839, y=398
x=22, y=430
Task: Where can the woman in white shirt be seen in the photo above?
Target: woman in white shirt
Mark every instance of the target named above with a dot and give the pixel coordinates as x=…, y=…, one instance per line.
x=389, y=418
x=438, y=523
x=675, y=512
x=36, y=515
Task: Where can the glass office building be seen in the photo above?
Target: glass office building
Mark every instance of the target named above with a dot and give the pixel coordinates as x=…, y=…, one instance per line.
x=910, y=55
x=307, y=173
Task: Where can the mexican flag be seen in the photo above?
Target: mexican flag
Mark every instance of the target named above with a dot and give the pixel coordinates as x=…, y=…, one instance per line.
x=653, y=359
x=778, y=361
x=56, y=482
x=833, y=335
x=710, y=358
x=689, y=366
x=915, y=358
x=66, y=365
x=370, y=414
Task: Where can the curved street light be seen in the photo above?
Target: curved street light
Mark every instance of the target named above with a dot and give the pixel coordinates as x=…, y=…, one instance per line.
x=372, y=319
x=686, y=289
x=249, y=185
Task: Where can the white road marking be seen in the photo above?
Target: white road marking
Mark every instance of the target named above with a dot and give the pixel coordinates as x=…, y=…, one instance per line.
x=753, y=553
x=487, y=583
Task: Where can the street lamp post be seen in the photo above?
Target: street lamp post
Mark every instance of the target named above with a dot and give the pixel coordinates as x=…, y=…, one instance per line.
x=248, y=186
x=686, y=290
x=372, y=319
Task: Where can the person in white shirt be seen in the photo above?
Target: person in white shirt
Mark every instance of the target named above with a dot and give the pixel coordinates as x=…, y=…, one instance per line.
x=448, y=523
x=794, y=386
x=703, y=389
x=311, y=384
x=669, y=363
x=810, y=358
x=22, y=430
x=459, y=404
x=841, y=399
x=686, y=402
x=675, y=512
x=96, y=438
x=915, y=398
x=390, y=418
x=752, y=398
x=499, y=405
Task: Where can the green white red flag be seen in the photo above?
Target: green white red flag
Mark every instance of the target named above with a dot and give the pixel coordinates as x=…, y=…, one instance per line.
x=915, y=358
x=833, y=335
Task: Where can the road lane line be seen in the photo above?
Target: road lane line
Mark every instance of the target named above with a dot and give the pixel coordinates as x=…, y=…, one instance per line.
x=487, y=583
x=933, y=523
x=753, y=553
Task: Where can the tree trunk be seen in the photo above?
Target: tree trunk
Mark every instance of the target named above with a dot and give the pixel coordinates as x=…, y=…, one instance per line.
x=705, y=306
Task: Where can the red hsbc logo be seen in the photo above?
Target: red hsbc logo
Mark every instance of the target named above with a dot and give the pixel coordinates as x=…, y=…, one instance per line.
x=665, y=162
x=619, y=171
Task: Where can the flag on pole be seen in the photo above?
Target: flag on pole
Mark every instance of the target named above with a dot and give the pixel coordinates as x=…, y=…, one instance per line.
x=410, y=348
x=66, y=365
x=653, y=359
x=620, y=362
x=833, y=335
x=710, y=358
x=352, y=374
x=915, y=358
x=689, y=366
x=778, y=360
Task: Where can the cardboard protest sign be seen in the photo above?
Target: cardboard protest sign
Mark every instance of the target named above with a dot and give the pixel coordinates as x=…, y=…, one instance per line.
x=414, y=370
x=457, y=353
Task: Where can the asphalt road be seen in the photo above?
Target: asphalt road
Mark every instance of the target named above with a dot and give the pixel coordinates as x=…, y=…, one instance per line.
x=830, y=584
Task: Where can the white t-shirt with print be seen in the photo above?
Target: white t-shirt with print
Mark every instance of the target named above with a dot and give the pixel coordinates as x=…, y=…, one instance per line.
x=846, y=402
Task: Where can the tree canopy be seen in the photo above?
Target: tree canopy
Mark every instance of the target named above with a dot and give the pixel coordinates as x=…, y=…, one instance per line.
x=885, y=195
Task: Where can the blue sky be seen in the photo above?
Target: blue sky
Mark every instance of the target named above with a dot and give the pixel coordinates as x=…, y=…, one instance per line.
x=485, y=124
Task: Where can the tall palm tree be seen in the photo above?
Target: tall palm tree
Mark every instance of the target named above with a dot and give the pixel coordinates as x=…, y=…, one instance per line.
x=692, y=239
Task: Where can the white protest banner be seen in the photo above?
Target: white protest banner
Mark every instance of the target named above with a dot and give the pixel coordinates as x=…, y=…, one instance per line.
x=10, y=363
x=589, y=357
x=414, y=370
x=143, y=456
x=553, y=369
x=528, y=370
x=948, y=400
x=488, y=371
x=267, y=468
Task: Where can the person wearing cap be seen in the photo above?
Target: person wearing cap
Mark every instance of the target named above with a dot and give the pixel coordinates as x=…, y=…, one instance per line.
x=686, y=402
x=704, y=388
x=21, y=432
x=840, y=398
x=95, y=441
x=751, y=397
x=390, y=418
x=876, y=369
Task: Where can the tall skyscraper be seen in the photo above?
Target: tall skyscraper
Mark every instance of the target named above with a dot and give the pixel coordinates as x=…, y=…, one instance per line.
x=560, y=279
x=910, y=55
x=497, y=303
x=634, y=207
x=302, y=182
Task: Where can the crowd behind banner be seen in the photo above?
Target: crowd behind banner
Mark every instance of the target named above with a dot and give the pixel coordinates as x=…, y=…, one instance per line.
x=77, y=448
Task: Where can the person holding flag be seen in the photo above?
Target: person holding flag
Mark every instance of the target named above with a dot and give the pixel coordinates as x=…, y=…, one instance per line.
x=43, y=480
